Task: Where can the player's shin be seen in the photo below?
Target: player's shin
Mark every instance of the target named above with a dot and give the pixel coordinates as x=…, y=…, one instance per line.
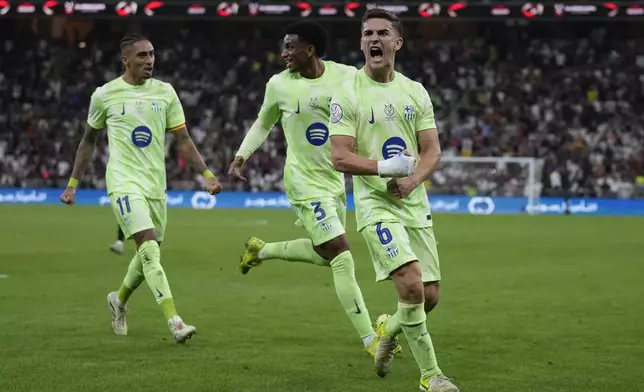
x=393, y=327
x=300, y=250
x=150, y=255
x=412, y=321
x=350, y=295
x=133, y=279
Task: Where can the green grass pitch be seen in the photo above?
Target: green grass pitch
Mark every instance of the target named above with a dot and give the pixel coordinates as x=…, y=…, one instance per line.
x=529, y=304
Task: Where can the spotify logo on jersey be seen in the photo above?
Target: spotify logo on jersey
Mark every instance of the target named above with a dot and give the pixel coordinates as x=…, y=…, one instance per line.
x=141, y=136
x=393, y=146
x=317, y=134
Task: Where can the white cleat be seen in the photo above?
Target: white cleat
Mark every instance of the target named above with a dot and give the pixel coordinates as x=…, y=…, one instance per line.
x=118, y=247
x=118, y=309
x=180, y=330
x=437, y=383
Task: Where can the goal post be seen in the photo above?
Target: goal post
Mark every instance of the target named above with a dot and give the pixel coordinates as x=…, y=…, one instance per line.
x=489, y=177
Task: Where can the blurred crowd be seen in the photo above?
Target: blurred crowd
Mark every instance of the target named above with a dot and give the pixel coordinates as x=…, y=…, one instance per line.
x=576, y=103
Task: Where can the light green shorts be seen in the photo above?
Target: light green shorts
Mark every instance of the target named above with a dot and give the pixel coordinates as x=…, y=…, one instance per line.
x=135, y=212
x=393, y=245
x=323, y=218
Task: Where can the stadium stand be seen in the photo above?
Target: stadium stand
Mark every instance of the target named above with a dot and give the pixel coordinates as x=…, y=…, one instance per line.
x=573, y=97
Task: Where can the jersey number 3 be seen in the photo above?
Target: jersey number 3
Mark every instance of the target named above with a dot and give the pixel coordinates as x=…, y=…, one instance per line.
x=319, y=211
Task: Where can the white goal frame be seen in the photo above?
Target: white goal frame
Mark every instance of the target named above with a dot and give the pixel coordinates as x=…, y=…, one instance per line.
x=535, y=166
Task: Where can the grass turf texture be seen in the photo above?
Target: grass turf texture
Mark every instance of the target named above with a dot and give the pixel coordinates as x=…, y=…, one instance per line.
x=544, y=303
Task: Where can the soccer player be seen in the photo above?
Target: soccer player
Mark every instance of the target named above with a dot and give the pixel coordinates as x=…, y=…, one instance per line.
x=376, y=118
x=299, y=97
x=137, y=111
x=118, y=246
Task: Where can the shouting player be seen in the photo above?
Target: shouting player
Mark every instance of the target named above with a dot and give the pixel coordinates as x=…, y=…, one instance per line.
x=299, y=97
x=137, y=111
x=375, y=118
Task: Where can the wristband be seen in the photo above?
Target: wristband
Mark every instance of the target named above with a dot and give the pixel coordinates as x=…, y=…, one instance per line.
x=73, y=182
x=208, y=174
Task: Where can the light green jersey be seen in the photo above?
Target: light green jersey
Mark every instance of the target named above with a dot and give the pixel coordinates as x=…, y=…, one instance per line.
x=137, y=118
x=384, y=119
x=302, y=107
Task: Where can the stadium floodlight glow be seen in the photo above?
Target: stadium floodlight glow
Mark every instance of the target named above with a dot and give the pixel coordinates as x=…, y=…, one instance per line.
x=304, y=7
x=126, y=8
x=349, y=7
x=531, y=10
x=612, y=8
x=196, y=9
x=451, y=11
x=427, y=10
x=500, y=10
x=151, y=6
x=47, y=7
x=227, y=9
x=26, y=8
x=4, y=7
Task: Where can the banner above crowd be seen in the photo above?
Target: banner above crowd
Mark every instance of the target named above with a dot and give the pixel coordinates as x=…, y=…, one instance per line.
x=214, y=10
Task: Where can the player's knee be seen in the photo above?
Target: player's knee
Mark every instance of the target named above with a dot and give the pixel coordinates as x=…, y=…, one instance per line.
x=333, y=248
x=144, y=236
x=432, y=295
x=408, y=281
x=343, y=263
x=150, y=254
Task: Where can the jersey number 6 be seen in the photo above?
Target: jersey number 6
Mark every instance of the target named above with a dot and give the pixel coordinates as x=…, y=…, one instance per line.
x=384, y=235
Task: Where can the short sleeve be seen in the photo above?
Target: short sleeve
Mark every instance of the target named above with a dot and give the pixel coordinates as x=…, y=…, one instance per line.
x=343, y=119
x=96, y=114
x=425, y=120
x=175, y=118
x=269, y=113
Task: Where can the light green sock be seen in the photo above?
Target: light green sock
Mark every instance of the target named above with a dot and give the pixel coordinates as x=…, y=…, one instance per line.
x=412, y=320
x=150, y=255
x=133, y=279
x=393, y=327
x=349, y=293
x=300, y=250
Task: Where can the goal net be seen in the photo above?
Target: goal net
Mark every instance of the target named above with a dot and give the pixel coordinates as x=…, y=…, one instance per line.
x=483, y=178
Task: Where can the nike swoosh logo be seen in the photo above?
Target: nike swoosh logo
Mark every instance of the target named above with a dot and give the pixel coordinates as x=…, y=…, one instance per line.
x=373, y=120
x=123, y=111
x=358, y=311
x=159, y=293
x=298, y=108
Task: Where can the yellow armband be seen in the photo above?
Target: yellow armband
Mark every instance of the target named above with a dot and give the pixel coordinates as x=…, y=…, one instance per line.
x=208, y=174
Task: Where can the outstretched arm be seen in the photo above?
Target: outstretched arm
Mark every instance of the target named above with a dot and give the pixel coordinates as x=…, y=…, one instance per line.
x=268, y=115
x=84, y=155
x=85, y=152
x=189, y=151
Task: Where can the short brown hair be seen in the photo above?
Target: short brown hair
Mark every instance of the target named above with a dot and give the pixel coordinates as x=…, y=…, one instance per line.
x=379, y=13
